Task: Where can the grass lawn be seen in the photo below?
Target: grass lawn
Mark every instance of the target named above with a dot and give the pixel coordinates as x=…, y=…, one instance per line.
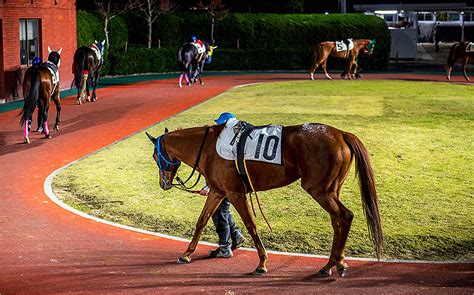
x=419, y=135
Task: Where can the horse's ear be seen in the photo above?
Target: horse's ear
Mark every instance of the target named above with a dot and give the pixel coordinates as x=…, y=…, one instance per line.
x=166, y=130
x=214, y=47
x=103, y=43
x=49, y=50
x=59, y=51
x=151, y=138
x=95, y=41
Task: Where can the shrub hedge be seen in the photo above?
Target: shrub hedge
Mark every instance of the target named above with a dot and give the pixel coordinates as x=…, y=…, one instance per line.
x=267, y=41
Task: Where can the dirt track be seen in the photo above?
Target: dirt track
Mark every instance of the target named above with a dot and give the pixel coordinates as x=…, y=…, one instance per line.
x=44, y=248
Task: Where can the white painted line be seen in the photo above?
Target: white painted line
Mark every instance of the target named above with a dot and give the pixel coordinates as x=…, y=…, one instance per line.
x=49, y=192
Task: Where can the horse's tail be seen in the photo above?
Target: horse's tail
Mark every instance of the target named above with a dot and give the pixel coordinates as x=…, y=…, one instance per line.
x=367, y=188
x=31, y=98
x=180, y=59
x=78, y=68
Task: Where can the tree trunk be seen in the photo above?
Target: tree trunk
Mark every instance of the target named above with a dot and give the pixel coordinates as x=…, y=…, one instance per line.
x=212, y=30
x=106, y=31
x=150, y=29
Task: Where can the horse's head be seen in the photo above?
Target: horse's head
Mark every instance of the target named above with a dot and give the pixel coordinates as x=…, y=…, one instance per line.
x=55, y=56
x=167, y=167
x=210, y=51
x=369, y=46
x=100, y=46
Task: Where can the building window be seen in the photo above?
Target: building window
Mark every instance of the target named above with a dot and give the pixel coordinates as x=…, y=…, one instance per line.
x=29, y=40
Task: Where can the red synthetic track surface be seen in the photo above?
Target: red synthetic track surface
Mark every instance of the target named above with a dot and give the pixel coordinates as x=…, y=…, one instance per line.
x=44, y=248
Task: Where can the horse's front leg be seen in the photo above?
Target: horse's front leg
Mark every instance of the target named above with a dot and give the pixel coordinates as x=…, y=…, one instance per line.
x=199, y=74
x=239, y=201
x=465, y=60
x=213, y=201
x=95, y=80
x=350, y=64
x=323, y=66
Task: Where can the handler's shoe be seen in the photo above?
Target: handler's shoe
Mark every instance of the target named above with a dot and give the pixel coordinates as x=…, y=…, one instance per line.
x=220, y=253
x=237, y=242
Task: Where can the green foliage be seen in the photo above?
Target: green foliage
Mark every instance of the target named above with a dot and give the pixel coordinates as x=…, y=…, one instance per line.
x=266, y=41
x=420, y=143
x=142, y=60
x=90, y=27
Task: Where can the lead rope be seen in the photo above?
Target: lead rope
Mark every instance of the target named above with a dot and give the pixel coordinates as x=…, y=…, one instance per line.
x=256, y=197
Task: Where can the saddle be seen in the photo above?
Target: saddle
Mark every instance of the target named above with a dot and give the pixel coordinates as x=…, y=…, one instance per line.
x=241, y=141
x=53, y=69
x=345, y=45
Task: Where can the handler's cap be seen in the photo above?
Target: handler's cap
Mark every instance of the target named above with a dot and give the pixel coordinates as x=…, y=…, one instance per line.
x=223, y=118
x=36, y=60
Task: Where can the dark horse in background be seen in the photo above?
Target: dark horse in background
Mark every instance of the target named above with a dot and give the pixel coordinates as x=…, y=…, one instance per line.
x=38, y=89
x=189, y=57
x=319, y=155
x=328, y=48
x=457, y=51
x=88, y=61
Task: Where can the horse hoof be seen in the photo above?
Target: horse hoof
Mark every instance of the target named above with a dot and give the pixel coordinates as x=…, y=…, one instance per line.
x=342, y=271
x=322, y=273
x=56, y=127
x=259, y=272
x=79, y=102
x=26, y=140
x=184, y=259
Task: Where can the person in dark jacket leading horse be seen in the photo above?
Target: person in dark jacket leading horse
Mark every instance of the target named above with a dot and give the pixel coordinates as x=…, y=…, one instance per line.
x=230, y=236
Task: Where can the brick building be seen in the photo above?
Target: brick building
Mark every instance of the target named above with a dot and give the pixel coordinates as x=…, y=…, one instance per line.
x=27, y=28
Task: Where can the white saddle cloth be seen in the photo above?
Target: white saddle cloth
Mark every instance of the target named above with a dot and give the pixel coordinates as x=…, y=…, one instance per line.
x=53, y=69
x=263, y=144
x=201, y=49
x=470, y=47
x=341, y=46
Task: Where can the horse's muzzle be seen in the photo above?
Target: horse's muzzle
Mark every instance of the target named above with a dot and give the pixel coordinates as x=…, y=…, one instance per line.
x=165, y=185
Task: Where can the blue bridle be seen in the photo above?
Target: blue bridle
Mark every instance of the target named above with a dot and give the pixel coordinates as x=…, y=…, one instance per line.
x=169, y=165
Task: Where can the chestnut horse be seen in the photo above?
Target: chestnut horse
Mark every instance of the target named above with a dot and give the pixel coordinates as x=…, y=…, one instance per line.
x=328, y=48
x=457, y=51
x=319, y=154
x=38, y=90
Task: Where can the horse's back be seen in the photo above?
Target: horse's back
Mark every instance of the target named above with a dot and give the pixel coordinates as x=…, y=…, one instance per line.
x=312, y=140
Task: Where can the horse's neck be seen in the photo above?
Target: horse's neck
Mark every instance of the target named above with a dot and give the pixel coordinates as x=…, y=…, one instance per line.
x=185, y=144
x=360, y=43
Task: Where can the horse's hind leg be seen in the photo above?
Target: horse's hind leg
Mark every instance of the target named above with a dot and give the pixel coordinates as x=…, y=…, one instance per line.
x=213, y=201
x=465, y=60
x=341, y=219
x=57, y=102
x=43, y=110
x=242, y=206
